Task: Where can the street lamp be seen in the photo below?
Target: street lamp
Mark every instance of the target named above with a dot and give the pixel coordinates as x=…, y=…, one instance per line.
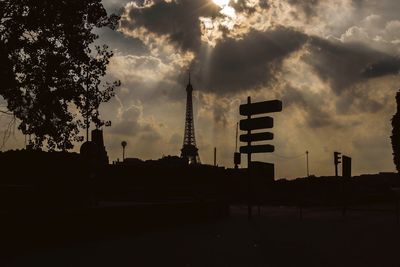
x=123, y=144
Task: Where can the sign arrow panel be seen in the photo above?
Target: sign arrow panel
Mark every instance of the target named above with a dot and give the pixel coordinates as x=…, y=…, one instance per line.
x=260, y=107
x=257, y=149
x=256, y=123
x=256, y=137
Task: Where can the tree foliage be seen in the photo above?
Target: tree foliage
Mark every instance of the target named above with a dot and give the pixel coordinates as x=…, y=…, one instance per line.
x=50, y=71
x=395, y=138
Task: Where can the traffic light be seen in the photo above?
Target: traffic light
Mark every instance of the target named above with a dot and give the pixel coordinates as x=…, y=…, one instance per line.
x=337, y=157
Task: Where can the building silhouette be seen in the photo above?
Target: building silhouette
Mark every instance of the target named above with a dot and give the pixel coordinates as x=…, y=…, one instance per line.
x=189, y=151
x=94, y=151
x=97, y=138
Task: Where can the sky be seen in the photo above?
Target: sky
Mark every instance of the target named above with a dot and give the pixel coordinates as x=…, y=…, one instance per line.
x=334, y=64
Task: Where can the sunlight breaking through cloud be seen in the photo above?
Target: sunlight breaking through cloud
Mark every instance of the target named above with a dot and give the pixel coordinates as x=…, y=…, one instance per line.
x=334, y=64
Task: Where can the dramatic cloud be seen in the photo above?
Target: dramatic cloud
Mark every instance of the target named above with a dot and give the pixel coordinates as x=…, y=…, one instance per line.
x=177, y=20
x=342, y=65
x=388, y=66
x=237, y=65
x=250, y=57
x=334, y=64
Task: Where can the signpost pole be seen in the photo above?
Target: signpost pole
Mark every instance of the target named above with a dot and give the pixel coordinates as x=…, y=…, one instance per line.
x=336, y=170
x=249, y=207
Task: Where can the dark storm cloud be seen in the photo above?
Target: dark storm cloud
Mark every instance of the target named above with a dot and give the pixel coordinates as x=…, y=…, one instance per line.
x=345, y=64
x=346, y=67
x=308, y=7
x=254, y=60
x=179, y=20
x=386, y=66
x=247, y=63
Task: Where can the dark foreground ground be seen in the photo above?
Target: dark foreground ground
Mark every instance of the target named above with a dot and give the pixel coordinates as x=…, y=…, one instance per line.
x=276, y=238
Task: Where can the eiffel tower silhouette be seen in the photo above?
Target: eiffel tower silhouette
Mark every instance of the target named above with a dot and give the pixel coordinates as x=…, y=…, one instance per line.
x=189, y=151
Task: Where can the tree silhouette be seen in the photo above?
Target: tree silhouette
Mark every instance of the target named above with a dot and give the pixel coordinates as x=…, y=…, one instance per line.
x=395, y=138
x=50, y=69
x=88, y=102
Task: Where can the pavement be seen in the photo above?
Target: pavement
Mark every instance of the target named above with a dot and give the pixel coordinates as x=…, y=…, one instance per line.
x=279, y=236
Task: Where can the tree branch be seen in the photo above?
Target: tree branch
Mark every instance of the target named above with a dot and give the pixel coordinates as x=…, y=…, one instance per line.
x=6, y=112
x=10, y=130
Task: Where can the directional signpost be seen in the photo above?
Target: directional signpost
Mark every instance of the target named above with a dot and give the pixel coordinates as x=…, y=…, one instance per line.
x=258, y=123
x=249, y=124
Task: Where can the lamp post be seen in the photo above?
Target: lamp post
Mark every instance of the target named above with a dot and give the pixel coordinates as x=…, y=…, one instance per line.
x=123, y=144
x=308, y=173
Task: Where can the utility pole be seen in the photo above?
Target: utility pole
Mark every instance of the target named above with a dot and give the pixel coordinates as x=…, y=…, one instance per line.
x=215, y=156
x=308, y=172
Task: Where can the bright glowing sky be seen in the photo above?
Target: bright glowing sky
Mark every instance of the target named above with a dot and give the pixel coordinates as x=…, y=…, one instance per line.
x=221, y=3
x=334, y=64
